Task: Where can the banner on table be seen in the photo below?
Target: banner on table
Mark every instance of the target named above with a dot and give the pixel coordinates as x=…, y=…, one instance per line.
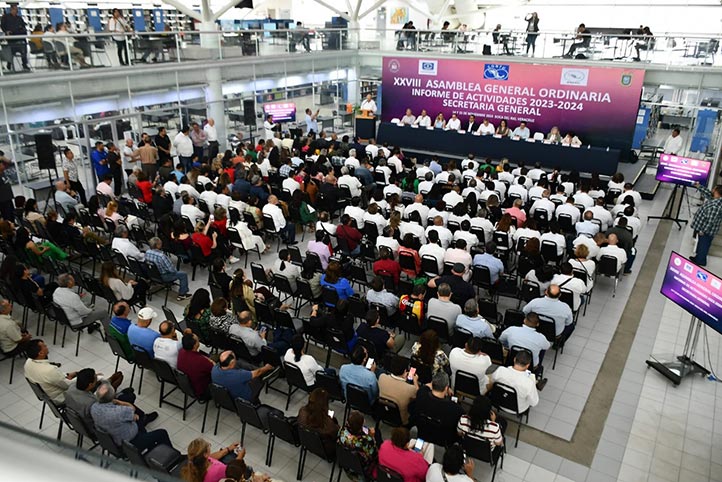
x=598, y=104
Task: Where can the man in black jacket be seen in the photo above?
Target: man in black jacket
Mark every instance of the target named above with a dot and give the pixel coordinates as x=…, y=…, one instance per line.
x=13, y=24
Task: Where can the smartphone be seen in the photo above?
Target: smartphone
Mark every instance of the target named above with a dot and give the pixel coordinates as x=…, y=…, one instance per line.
x=455, y=399
x=330, y=413
x=412, y=372
x=238, y=450
x=418, y=445
x=263, y=329
x=366, y=430
x=370, y=363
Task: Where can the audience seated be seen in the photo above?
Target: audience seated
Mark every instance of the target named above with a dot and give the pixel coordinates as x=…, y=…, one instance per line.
x=520, y=379
x=167, y=345
x=428, y=351
x=398, y=454
x=140, y=334
x=306, y=363
x=359, y=438
x=484, y=422
x=472, y=360
x=551, y=306
x=359, y=373
x=434, y=401
x=456, y=466
x=241, y=383
x=316, y=416
x=526, y=336
x=194, y=364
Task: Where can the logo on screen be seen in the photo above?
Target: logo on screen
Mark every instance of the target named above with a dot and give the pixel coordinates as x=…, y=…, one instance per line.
x=677, y=261
x=394, y=66
x=496, y=71
x=716, y=284
x=428, y=67
x=701, y=276
x=688, y=268
x=572, y=76
x=626, y=80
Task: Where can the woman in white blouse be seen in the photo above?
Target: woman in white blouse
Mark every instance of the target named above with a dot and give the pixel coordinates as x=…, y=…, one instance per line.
x=580, y=263
x=306, y=363
x=283, y=266
x=134, y=292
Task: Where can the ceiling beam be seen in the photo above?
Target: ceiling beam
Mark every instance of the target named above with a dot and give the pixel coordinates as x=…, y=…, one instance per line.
x=184, y=9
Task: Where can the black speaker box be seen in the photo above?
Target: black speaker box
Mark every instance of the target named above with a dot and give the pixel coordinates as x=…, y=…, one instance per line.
x=45, y=151
x=249, y=112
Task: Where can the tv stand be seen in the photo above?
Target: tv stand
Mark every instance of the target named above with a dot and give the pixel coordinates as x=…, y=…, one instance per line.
x=676, y=367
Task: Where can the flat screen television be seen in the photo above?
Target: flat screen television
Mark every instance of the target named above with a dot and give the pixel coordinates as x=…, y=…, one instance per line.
x=694, y=289
x=682, y=170
x=281, y=111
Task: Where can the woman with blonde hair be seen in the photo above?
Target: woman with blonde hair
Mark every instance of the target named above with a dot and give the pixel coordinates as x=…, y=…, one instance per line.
x=111, y=212
x=204, y=466
x=134, y=292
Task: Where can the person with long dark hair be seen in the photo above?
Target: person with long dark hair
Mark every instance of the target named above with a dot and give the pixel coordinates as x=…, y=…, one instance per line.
x=134, y=291
x=297, y=356
x=333, y=278
x=315, y=416
x=428, y=351
x=483, y=421
x=199, y=310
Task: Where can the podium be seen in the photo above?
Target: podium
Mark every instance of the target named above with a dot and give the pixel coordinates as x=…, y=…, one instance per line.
x=365, y=125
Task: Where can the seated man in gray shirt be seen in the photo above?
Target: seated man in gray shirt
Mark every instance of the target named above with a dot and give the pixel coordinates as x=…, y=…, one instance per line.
x=526, y=336
x=442, y=307
x=256, y=339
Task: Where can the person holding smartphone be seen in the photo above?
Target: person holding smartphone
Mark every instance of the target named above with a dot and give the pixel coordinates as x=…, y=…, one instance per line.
x=399, y=454
x=455, y=467
x=399, y=385
x=359, y=438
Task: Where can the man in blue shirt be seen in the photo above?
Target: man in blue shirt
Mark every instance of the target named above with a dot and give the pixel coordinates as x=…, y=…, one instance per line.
x=119, y=325
x=551, y=306
x=99, y=158
x=166, y=267
x=356, y=373
x=139, y=334
x=526, y=336
x=240, y=383
x=496, y=267
x=471, y=321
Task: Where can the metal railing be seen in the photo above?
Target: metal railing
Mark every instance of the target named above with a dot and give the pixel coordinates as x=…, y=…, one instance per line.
x=72, y=52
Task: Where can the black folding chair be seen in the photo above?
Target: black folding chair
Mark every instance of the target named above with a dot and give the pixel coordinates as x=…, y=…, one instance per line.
x=504, y=398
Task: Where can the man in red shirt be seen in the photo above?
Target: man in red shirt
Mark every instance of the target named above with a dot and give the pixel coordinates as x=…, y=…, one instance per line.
x=351, y=235
x=194, y=364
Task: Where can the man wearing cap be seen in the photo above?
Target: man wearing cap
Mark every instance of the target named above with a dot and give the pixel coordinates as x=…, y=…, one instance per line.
x=140, y=334
x=461, y=291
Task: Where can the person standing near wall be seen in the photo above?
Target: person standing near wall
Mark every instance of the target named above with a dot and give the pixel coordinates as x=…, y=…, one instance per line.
x=706, y=222
x=532, y=32
x=117, y=25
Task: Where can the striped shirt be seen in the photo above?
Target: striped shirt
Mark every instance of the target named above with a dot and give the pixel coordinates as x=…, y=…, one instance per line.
x=491, y=431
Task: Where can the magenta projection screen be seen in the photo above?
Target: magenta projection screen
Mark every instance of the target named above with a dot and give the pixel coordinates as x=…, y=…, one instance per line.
x=599, y=104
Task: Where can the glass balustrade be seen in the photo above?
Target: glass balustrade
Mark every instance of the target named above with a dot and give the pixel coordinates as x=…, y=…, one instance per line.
x=83, y=52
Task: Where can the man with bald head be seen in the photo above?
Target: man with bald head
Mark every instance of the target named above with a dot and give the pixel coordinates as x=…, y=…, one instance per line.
x=241, y=383
x=612, y=249
x=419, y=207
x=167, y=345
x=286, y=229
x=551, y=306
x=64, y=197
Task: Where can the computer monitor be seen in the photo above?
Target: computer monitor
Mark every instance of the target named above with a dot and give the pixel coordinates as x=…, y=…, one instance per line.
x=682, y=170
x=281, y=111
x=695, y=289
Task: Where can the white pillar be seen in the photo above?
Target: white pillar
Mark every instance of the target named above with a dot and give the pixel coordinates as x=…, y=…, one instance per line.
x=209, y=41
x=215, y=105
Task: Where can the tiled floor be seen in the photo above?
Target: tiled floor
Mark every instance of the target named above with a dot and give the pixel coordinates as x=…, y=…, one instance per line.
x=653, y=431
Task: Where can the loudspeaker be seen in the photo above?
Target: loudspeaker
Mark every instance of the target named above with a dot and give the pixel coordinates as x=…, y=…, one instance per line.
x=249, y=112
x=45, y=150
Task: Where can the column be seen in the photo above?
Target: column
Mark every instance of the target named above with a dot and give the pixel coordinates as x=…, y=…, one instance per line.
x=215, y=105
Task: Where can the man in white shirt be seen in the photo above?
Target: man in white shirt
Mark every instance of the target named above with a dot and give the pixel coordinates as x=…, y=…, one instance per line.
x=211, y=137
x=127, y=155
x=186, y=187
x=601, y=213
x=408, y=119
x=269, y=127
x=372, y=149
x=453, y=124
x=124, y=245
x=192, y=212
x=538, y=189
x=392, y=189
x=414, y=227
x=518, y=190
x=459, y=254
x=629, y=191
x=312, y=121
x=396, y=162
x=104, y=186
x=78, y=314
x=522, y=132
x=351, y=160
x=543, y=204
x=353, y=183
x=184, y=148
x=520, y=379
x=582, y=197
x=472, y=360
x=210, y=197
x=171, y=186
x=423, y=120
x=613, y=250
x=291, y=184
x=452, y=198
x=553, y=236
x=632, y=220
x=356, y=212
x=433, y=249
x=536, y=173
x=286, y=230
x=587, y=226
x=674, y=143
x=420, y=207
x=569, y=208
x=427, y=184
x=592, y=244
x=166, y=346
x=369, y=105
x=443, y=232
x=566, y=280
x=486, y=128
